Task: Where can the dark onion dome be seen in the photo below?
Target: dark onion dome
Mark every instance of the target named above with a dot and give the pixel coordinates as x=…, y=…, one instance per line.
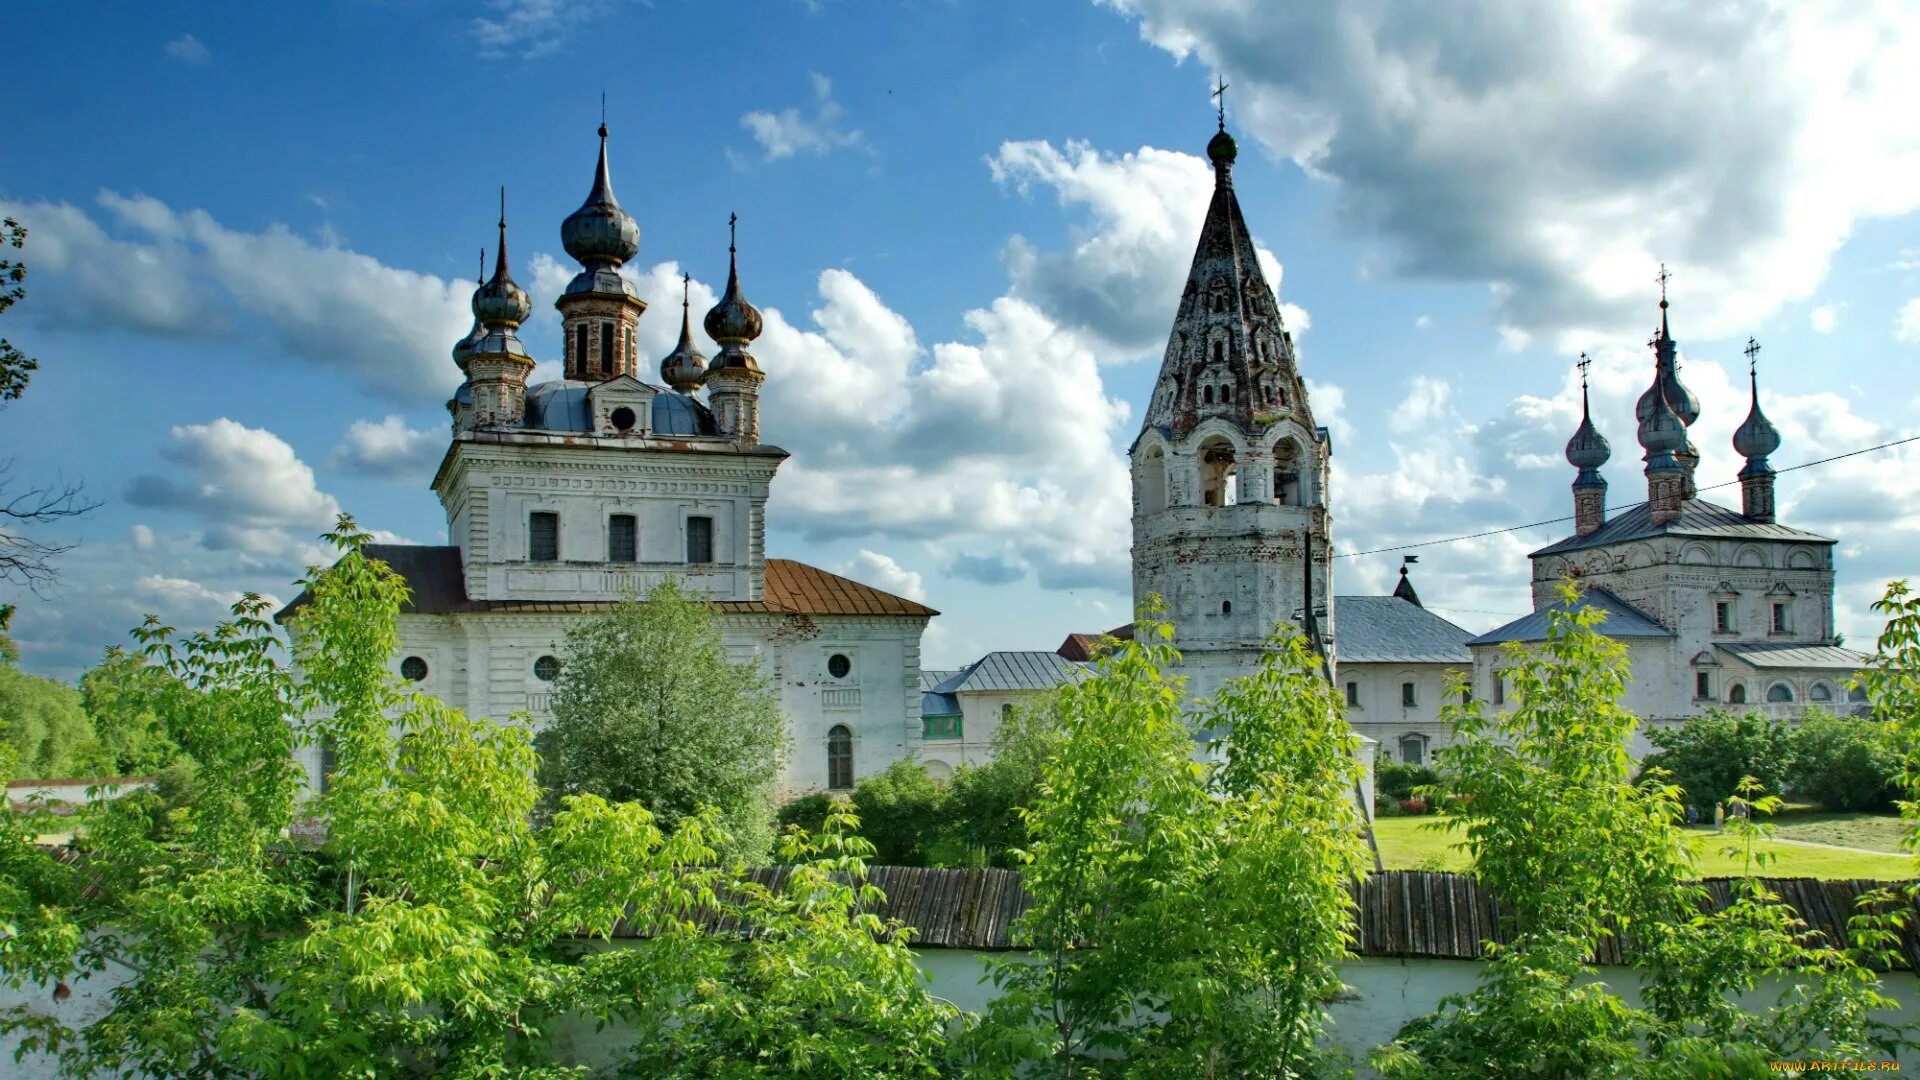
x=600, y=234
x=1756, y=437
x=1666, y=376
x=464, y=347
x=1221, y=149
x=733, y=321
x=684, y=367
x=1588, y=449
x=500, y=302
x=1662, y=434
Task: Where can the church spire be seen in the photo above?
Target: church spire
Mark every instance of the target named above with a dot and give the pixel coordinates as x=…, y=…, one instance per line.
x=1229, y=355
x=1754, y=439
x=1666, y=382
x=1587, y=451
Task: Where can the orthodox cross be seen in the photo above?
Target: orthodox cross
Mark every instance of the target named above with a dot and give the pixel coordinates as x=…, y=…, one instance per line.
x=685, y=285
x=732, y=221
x=1663, y=277
x=1219, y=96
x=503, y=206
x=481, y=277
x=1584, y=363
x=1753, y=351
x=603, y=108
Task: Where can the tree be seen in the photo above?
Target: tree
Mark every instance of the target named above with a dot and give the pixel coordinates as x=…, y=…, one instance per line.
x=40, y=719
x=648, y=708
x=438, y=930
x=1156, y=934
x=1844, y=763
x=1708, y=755
x=1576, y=851
x=904, y=814
x=118, y=695
x=16, y=367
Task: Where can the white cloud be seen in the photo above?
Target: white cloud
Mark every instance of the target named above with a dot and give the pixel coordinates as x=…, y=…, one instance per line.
x=183, y=274
x=1564, y=150
x=188, y=50
x=141, y=537
x=1121, y=275
x=793, y=131
x=1824, y=318
x=1422, y=322
x=180, y=592
x=882, y=572
x=246, y=485
x=1906, y=325
x=388, y=448
x=534, y=28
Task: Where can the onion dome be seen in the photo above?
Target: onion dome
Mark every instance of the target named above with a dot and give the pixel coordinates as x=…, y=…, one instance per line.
x=1661, y=435
x=1588, y=449
x=1666, y=378
x=500, y=302
x=464, y=347
x=1222, y=150
x=684, y=367
x=600, y=234
x=733, y=321
x=1756, y=437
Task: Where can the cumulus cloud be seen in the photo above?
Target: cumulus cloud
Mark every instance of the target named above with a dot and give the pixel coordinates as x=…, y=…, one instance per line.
x=1121, y=274
x=247, y=486
x=1824, y=318
x=182, y=274
x=141, y=537
x=188, y=50
x=883, y=573
x=388, y=448
x=793, y=130
x=1562, y=151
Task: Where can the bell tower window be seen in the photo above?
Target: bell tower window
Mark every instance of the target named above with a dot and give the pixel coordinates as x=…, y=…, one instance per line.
x=1218, y=473
x=1219, y=351
x=606, y=348
x=580, y=348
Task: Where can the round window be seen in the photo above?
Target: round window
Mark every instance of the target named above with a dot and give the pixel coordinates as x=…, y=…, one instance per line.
x=413, y=669
x=547, y=668
x=623, y=419
x=838, y=665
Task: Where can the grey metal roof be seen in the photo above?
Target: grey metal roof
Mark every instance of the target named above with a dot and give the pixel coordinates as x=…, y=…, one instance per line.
x=561, y=405
x=930, y=678
x=939, y=705
x=1387, y=629
x=1698, y=517
x=1013, y=671
x=1623, y=621
x=1767, y=654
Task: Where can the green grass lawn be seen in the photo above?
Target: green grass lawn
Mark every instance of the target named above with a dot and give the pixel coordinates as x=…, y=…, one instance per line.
x=1875, y=832
x=1409, y=843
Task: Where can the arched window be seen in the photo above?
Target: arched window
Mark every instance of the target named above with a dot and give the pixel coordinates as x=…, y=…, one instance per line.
x=1779, y=693
x=1217, y=469
x=1226, y=607
x=1413, y=749
x=1206, y=395
x=1820, y=692
x=1219, y=353
x=1287, y=489
x=1150, y=483
x=839, y=758
x=1737, y=694
x=1857, y=694
x=1226, y=395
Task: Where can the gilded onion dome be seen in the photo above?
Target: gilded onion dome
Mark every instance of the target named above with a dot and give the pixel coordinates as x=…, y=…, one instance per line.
x=684, y=367
x=1756, y=437
x=500, y=302
x=733, y=321
x=1588, y=449
x=601, y=234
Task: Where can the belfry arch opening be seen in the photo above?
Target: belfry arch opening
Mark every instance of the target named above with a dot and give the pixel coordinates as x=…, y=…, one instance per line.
x=1150, y=480
x=1219, y=473
x=1289, y=484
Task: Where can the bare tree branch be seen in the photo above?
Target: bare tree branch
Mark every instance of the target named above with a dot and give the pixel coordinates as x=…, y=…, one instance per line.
x=30, y=560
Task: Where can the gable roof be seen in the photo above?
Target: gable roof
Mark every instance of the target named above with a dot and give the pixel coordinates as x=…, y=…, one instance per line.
x=438, y=585
x=1698, y=517
x=1623, y=621
x=1388, y=629
x=1004, y=671
x=932, y=677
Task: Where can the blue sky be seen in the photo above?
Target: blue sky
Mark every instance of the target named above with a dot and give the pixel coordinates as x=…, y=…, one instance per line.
x=253, y=237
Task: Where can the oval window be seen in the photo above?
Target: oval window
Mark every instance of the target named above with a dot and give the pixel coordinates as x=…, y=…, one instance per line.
x=838, y=665
x=623, y=419
x=413, y=669
x=547, y=668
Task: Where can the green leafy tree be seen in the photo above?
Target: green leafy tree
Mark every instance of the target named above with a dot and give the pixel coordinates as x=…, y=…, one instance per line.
x=1892, y=686
x=904, y=814
x=1156, y=935
x=118, y=695
x=1707, y=755
x=41, y=719
x=1845, y=763
x=16, y=367
x=439, y=930
x=1576, y=851
x=648, y=708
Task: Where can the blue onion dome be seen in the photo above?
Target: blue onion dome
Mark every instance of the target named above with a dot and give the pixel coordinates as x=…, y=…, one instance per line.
x=500, y=302
x=684, y=367
x=1588, y=449
x=733, y=321
x=1756, y=437
x=600, y=234
x=1662, y=433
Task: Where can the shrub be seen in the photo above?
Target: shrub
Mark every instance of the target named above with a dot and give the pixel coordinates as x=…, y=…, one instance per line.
x=1844, y=764
x=1397, y=779
x=1707, y=756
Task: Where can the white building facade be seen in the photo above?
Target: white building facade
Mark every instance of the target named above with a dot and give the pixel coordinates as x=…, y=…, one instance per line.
x=565, y=496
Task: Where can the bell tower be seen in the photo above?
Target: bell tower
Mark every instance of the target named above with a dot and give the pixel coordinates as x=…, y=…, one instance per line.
x=1230, y=522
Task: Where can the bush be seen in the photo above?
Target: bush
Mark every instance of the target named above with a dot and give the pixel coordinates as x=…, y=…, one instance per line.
x=1707, y=756
x=1397, y=779
x=808, y=812
x=1844, y=764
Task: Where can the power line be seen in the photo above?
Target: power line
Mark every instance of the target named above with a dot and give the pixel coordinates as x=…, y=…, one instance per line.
x=1629, y=506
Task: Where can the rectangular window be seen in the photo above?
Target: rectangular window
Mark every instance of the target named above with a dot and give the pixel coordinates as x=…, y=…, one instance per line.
x=580, y=347
x=606, y=347
x=1723, y=616
x=1702, y=685
x=1407, y=699
x=1779, y=617
x=942, y=727
x=621, y=535
x=1499, y=689
x=699, y=539
x=543, y=536
x=1353, y=695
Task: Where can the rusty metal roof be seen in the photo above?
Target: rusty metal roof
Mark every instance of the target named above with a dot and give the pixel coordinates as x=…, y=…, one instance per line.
x=438, y=586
